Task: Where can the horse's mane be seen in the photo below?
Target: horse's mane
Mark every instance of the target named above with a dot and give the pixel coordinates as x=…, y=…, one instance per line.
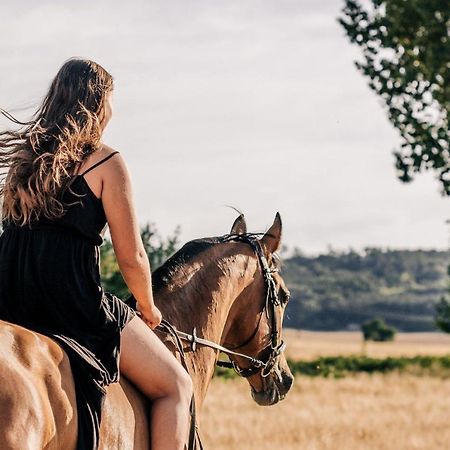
x=163, y=274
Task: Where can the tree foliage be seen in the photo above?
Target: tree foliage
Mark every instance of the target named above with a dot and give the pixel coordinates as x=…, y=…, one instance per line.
x=405, y=48
x=157, y=249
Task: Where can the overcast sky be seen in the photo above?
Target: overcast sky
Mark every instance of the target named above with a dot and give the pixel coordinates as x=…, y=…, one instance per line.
x=251, y=103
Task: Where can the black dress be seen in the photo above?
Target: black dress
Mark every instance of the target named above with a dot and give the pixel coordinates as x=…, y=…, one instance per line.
x=50, y=283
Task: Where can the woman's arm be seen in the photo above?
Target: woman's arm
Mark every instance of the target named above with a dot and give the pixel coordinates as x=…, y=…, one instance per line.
x=118, y=203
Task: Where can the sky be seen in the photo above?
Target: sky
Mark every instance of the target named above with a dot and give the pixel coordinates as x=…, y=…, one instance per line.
x=251, y=104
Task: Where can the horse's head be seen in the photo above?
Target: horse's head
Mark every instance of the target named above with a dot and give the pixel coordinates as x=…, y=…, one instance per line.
x=255, y=319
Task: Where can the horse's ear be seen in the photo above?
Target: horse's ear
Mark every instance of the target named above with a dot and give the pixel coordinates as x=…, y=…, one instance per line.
x=239, y=226
x=272, y=238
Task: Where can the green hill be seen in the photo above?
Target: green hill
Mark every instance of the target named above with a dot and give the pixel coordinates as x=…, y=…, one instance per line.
x=339, y=291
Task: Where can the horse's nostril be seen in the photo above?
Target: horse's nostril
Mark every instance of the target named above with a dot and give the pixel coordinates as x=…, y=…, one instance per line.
x=289, y=382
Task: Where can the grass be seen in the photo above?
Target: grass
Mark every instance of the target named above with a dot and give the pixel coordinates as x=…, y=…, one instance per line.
x=309, y=345
x=363, y=411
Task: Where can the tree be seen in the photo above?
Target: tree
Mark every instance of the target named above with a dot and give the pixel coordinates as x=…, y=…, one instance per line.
x=442, y=317
x=377, y=330
x=406, y=49
x=157, y=249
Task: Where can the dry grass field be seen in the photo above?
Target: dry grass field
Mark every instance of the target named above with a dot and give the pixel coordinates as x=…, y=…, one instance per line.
x=309, y=345
x=360, y=412
x=382, y=412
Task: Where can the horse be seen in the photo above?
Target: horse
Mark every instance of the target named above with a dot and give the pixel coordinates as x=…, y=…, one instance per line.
x=216, y=288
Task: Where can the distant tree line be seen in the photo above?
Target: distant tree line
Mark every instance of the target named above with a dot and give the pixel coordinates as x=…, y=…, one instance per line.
x=342, y=290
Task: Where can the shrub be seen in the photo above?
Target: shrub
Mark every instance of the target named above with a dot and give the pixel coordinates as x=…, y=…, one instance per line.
x=377, y=330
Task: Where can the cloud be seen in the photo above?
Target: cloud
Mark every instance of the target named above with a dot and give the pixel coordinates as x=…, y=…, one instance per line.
x=252, y=103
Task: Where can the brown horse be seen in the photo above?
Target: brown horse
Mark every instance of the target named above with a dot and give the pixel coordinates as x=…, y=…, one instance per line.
x=216, y=287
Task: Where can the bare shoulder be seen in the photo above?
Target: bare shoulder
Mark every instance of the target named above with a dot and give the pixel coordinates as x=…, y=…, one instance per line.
x=101, y=153
x=115, y=165
x=116, y=173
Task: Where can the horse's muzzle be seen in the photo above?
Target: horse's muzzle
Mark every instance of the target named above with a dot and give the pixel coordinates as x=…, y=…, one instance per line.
x=276, y=386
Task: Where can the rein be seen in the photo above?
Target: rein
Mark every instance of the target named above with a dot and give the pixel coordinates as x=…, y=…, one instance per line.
x=276, y=345
x=194, y=340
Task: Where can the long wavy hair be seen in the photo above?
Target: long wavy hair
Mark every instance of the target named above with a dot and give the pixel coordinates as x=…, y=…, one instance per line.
x=43, y=154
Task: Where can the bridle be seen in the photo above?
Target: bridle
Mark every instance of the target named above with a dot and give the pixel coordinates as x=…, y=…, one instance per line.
x=272, y=301
x=276, y=345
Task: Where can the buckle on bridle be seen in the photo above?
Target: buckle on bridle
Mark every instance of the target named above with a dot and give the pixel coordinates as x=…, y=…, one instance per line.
x=193, y=340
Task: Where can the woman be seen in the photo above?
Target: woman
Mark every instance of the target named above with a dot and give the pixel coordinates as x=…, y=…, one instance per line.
x=63, y=187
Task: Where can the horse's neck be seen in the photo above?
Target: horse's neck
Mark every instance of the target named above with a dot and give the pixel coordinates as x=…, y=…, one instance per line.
x=201, y=298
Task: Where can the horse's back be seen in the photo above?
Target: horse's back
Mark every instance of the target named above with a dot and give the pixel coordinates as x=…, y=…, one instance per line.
x=37, y=393
x=38, y=399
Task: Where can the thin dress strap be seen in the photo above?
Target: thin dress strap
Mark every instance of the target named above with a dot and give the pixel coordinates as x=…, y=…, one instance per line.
x=98, y=163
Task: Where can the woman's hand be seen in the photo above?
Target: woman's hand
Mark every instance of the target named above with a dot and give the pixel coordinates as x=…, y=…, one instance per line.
x=151, y=316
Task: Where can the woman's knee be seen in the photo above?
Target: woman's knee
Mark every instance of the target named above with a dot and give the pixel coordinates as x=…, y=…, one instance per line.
x=181, y=385
x=187, y=386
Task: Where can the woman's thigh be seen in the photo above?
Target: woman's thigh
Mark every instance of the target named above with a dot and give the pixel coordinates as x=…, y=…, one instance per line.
x=148, y=363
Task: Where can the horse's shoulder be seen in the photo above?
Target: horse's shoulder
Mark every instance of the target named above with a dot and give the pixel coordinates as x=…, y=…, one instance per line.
x=125, y=417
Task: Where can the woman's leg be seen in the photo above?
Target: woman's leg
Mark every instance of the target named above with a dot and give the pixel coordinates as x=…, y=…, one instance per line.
x=148, y=363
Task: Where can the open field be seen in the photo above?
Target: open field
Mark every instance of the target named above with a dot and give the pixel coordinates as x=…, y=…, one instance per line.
x=362, y=412
x=359, y=412
x=311, y=344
